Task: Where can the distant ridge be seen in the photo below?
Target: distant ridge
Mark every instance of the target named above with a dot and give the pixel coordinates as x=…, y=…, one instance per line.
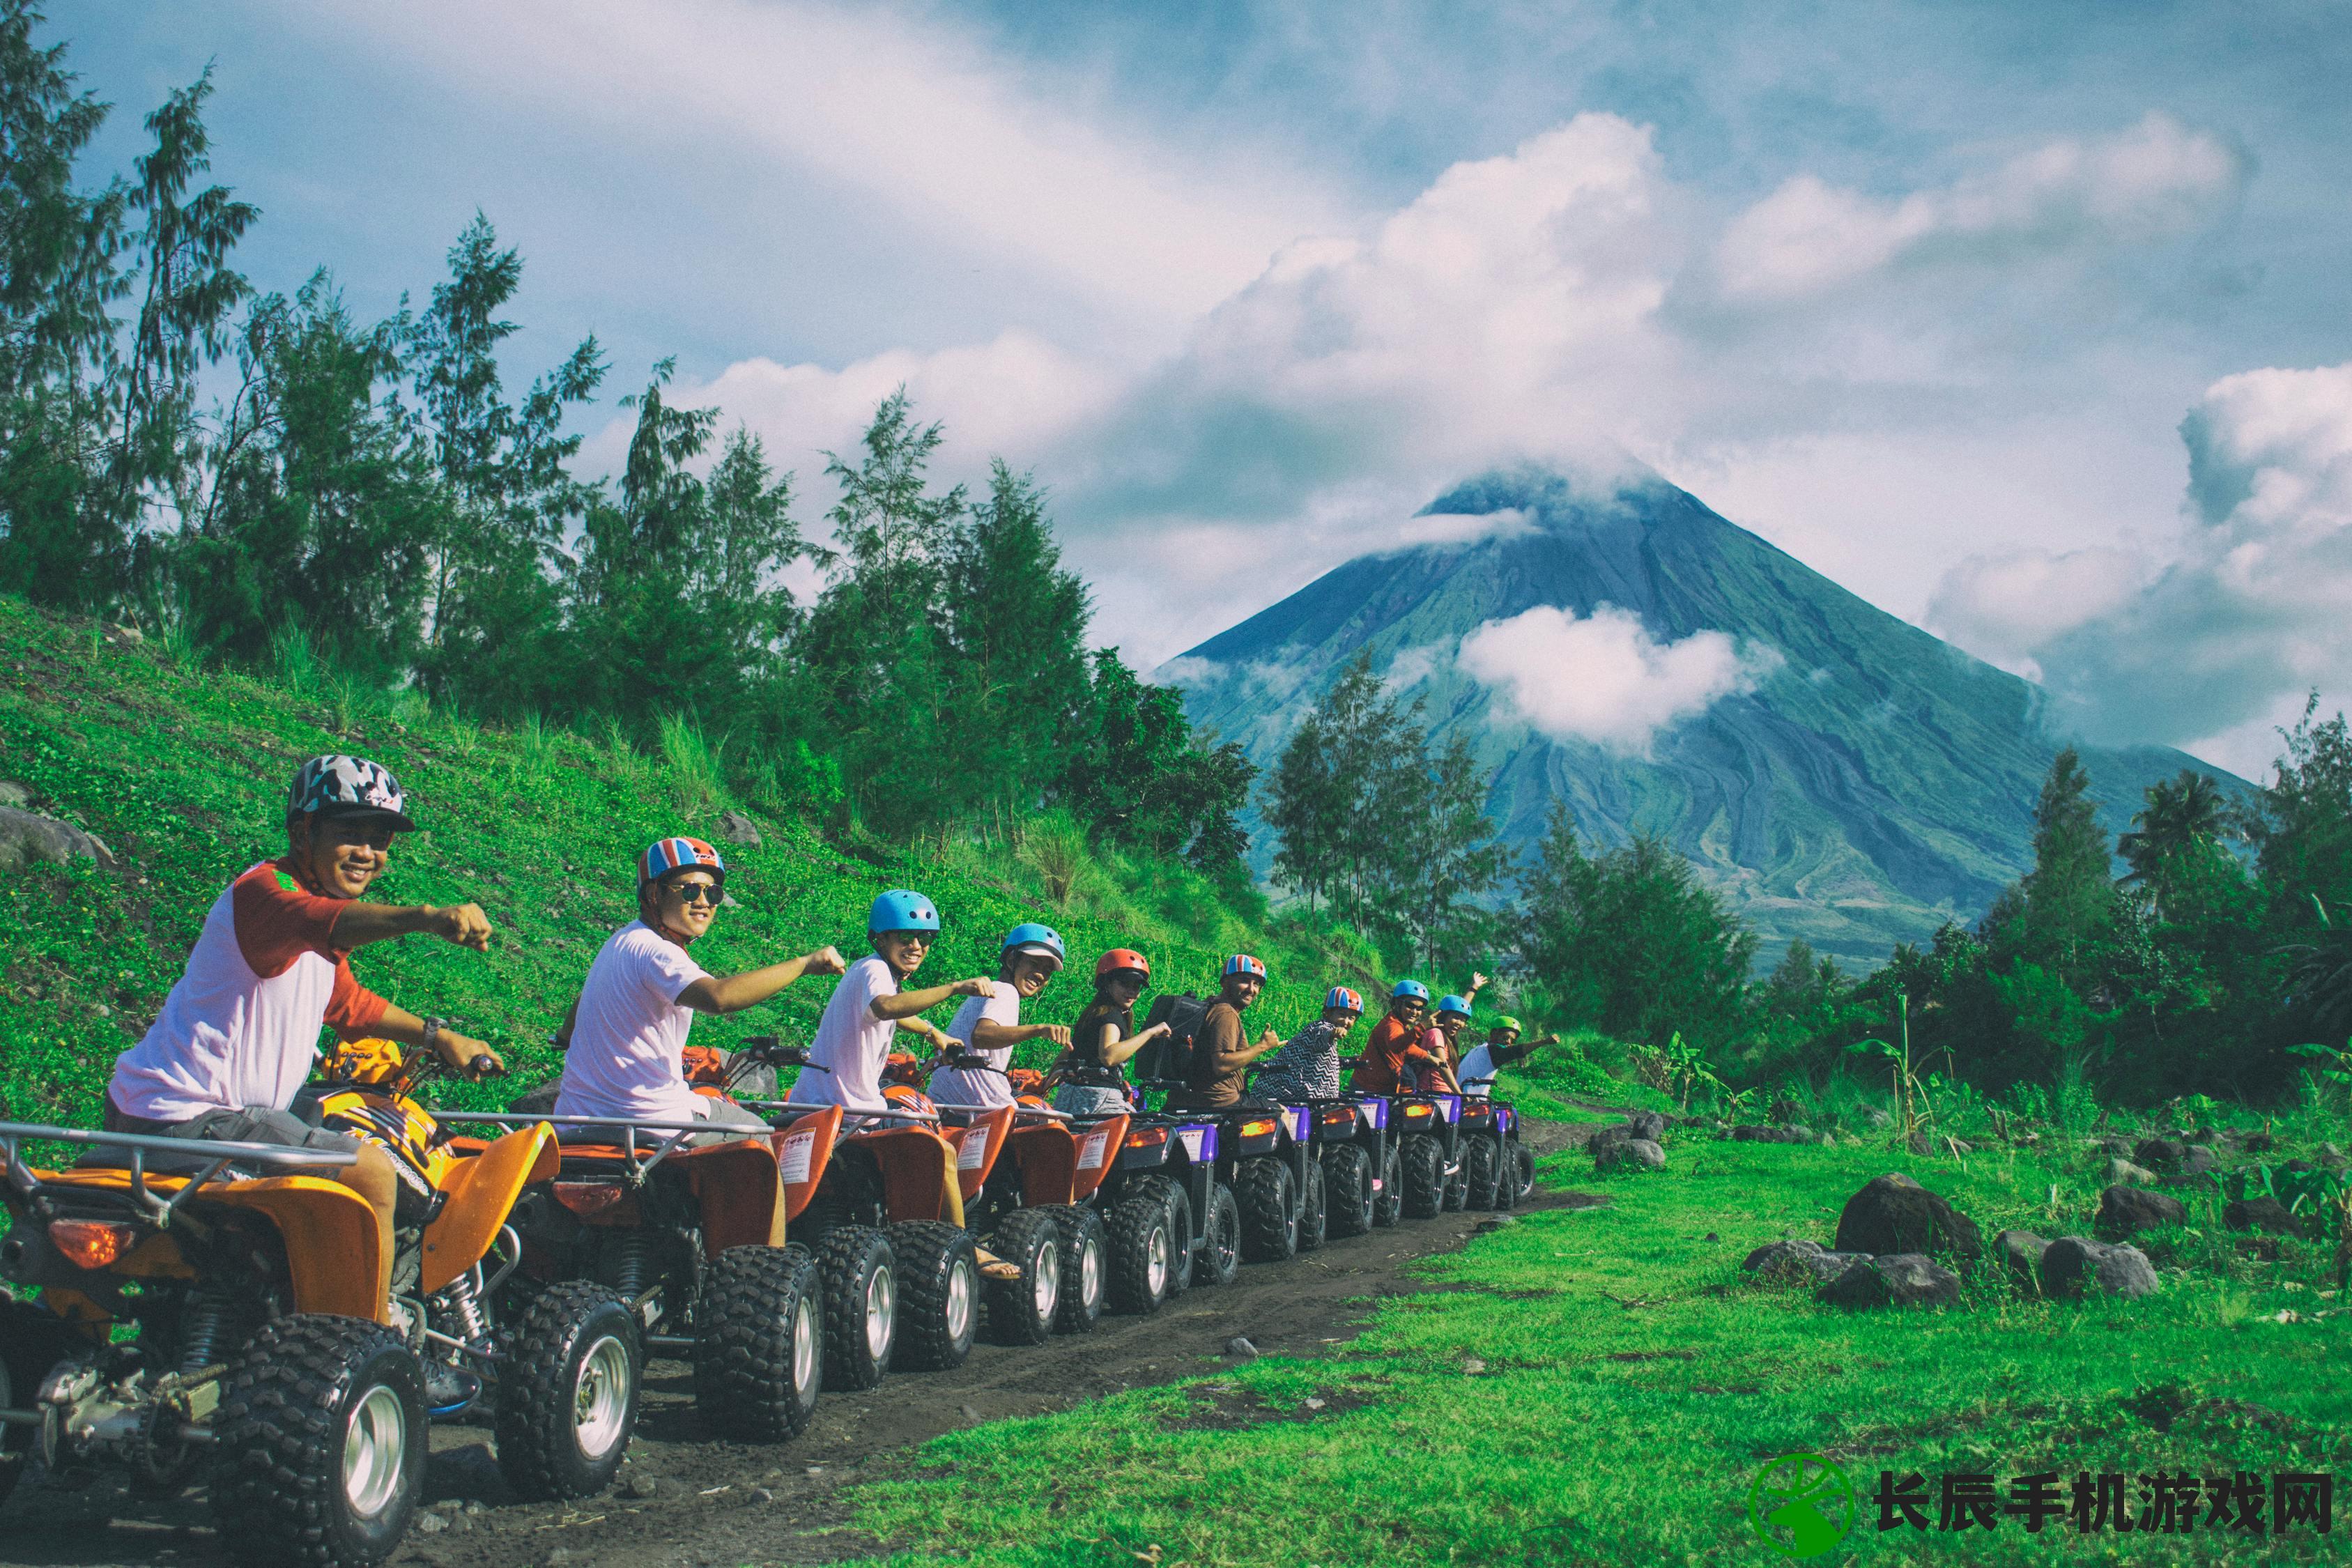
x=1869, y=783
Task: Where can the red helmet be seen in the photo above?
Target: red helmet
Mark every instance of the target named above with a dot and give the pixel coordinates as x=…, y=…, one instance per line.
x=1122, y=958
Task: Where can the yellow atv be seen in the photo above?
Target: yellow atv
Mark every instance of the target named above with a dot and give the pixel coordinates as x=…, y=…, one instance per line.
x=563, y=1363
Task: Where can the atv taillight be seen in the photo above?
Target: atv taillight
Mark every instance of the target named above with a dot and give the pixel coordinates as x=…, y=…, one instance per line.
x=1258, y=1129
x=1342, y=1118
x=1418, y=1110
x=1147, y=1138
x=92, y=1243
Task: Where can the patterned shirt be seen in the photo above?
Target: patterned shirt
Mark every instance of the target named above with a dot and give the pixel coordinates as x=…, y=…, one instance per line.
x=1307, y=1065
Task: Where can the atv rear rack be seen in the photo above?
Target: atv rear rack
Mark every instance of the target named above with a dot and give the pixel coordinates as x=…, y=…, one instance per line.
x=157, y=1211
x=678, y=1130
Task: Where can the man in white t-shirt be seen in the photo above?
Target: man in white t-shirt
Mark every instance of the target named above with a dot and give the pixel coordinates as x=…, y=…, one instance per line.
x=1501, y=1049
x=623, y=1042
x=1029, y=957
x=871, y=1005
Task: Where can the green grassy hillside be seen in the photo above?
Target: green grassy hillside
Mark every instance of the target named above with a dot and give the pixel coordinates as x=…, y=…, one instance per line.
x=182, y=774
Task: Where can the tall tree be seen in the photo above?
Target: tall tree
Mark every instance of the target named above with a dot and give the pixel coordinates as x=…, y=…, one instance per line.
x=2069, y=892
x=2183, y=816
x=1458, y=865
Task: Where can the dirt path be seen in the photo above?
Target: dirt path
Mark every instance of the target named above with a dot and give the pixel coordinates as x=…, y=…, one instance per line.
x=689, y=1500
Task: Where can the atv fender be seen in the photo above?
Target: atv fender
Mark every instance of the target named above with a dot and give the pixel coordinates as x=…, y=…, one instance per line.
x=977, y=1145
x=1047, y=1158
x=332, y=1257
x=742, y=1193
x=915, y=1162
x=479, y=1195
x=803, y=1150
x=1097, y=1152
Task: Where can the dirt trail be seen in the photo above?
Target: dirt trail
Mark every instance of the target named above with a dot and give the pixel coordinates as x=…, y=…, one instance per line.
x=706, y=1502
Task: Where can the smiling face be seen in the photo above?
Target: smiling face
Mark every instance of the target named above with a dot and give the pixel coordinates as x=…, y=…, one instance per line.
x=345, y=852
x=904, y=950
x=1241, y=990
x=1409, y=1011
x=1341, y=1019
x=1030, y=973
x=1450, y=1024
x=688, y=901
x=1121, y=990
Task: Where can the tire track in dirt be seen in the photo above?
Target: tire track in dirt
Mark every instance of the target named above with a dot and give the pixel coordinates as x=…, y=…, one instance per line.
x=711, y=1502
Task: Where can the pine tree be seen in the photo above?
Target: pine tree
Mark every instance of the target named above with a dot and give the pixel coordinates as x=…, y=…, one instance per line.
x=2067, y=895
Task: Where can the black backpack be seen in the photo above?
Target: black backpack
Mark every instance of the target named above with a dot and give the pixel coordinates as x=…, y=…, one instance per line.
x=1169, y=1060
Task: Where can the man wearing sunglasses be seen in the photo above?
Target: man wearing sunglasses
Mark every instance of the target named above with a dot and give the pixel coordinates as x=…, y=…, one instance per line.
x=271, y=969
x=624, y=1043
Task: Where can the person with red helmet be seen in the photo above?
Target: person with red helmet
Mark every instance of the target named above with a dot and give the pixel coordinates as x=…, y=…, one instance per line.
x=1093, y=1075
x=1308, y=1065
x=1220, y=1054
x=624, y=1041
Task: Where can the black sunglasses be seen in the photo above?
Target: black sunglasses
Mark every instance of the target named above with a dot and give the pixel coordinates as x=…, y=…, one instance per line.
x=697, y=893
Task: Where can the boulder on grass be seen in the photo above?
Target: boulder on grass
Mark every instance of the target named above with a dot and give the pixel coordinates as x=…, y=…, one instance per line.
x=1604, y=1138
x=2124, y=1211
x=737, y=828
x=2076, y=1265
x=1894, y=1215
x=1648, y=1124
x=1798, y=1262
x=28, y=836
x=2125, y=1172
x=2265, y=1214
x=2019, y=1252
x=1630, y=1154
x=1898, y=1280
x=1770, y=1135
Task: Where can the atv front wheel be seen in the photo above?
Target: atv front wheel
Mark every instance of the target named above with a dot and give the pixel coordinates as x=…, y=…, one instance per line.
x=1085, y=1266
x=1314, y=1219
x=859, y=1276
x=1021, y=1312
x=939, y=1288
x=1387, y=1200
x=1457, y=1188
x=1221, y=1238
x=1482, y=1167
x=1348, y=1189
x=1268, y=1200
x=320, y=1453
x=1424, y=1176
x=1518, y=1172
x=759, y=1352
x=1178, y=1205
x=1144, y=1254
x=568, y=1392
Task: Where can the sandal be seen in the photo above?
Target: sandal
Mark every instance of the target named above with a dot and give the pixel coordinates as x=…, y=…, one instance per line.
x=994, y=1267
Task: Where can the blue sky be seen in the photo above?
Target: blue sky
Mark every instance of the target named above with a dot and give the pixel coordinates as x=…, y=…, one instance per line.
x=1943, y=299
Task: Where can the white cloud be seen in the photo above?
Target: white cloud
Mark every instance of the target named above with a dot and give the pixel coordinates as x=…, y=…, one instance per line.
x=1604, y=679
x=1412, y=666
x=2002, y=607
x=2257, y=609
x=918, y=115
x=2157, y=179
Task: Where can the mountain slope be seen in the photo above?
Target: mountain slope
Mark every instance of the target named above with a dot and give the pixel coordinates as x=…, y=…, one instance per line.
x=1872, y=782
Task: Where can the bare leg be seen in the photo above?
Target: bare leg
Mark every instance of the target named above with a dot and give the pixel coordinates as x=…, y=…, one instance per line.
x=372, y=1177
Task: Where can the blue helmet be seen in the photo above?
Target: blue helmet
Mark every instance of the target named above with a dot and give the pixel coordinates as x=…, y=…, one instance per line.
x=1038, y=941
x=899, y=909
x=1453, y=1004
x=1243, y=963
x=1412, y=988
x=1341, y=996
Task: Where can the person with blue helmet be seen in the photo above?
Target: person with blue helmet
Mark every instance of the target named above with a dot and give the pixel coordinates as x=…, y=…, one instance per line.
x=1027, y=960
x=1442, y=1040
x=1308, y=1065
x=872, y=1004
x=1221, y=1053
x=624, y=1041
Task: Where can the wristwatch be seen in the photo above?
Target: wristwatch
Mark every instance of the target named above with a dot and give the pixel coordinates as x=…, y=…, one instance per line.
x=433, y=1032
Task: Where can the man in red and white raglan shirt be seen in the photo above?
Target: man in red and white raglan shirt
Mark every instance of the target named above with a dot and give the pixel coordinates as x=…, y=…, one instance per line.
x=270, y=969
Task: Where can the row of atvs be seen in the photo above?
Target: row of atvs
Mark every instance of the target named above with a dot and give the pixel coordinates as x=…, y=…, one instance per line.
x=181, y=1308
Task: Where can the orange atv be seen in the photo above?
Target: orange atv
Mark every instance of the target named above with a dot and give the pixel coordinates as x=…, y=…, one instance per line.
x=893, y=1190
x=684, y=1222
x=1053, y=1162
x=217, y=1305
x=576, y=1347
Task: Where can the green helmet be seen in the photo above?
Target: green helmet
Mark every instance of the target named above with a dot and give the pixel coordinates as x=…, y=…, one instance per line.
x=1507, y=1022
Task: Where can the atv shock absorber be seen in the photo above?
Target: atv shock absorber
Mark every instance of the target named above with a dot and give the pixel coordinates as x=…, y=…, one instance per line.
x=207, y=1314
x=629, y=1260
x=463, y=1302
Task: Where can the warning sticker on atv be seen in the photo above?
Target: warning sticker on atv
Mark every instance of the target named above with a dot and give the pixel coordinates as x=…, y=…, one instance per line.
x=1192, y=1137
x=793, y=1161
x=1093, y=1150
x=972, y=1153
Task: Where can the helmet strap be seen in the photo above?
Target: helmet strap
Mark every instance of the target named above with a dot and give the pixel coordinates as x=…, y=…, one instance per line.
x=649, y=912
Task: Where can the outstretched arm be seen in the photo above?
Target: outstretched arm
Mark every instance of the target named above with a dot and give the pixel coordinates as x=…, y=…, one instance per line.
x=988, y=1035
x=907, y=1003
x=733, y=993
x=358, y=923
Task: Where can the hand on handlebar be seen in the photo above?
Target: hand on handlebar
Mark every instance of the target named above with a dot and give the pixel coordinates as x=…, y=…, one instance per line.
x=471, y=1058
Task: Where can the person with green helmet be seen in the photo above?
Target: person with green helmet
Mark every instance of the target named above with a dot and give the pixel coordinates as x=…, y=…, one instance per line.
x=1027, y=962
x=1502, y=1048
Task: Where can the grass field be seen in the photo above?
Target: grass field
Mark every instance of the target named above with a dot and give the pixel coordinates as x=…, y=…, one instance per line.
x=1603, y=1386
